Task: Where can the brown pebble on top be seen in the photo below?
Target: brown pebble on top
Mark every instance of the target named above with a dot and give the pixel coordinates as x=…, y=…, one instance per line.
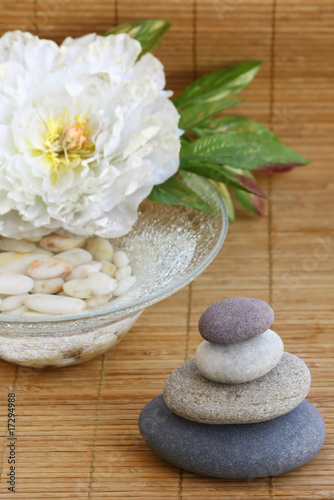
x=235, y=319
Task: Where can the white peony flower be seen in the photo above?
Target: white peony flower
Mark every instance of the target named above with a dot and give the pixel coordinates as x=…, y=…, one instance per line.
x=86, y=131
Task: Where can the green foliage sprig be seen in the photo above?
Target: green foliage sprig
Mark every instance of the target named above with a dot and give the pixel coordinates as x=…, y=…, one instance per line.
x=226, y=150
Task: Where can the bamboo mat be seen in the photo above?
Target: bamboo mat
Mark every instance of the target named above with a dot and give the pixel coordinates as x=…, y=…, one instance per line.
x=77, y=426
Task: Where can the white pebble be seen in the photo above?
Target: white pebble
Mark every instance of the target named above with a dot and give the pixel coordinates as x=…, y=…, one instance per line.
x=95, y=285
x=34, y=314
x=18, y=262
x=123, y=272
x=81, y=272
x=98, y=301
x=54, y=304
x=14, y=283
x=42, y=251
x=8, y=257
x=120, y=259
x=52, y=285
x=95, y=274
x=34, y=239
x=97, y=264
x=77, y=256
x=100, y=248
x=124, y=285
x=48, y=267
x=12, y=302
x=57, y=243
x=19, y=311
x=108, y=268
x=12, y=245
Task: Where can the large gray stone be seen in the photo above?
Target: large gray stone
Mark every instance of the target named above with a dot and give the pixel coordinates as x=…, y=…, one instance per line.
x=242, y=361
x=188, y=394
x=235, y=319
x=234, y=451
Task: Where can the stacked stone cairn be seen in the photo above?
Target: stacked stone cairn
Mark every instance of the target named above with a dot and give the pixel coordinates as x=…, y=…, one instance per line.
x=238, y=409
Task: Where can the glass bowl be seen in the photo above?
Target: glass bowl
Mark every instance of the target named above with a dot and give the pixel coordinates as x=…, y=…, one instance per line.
x=168, y=247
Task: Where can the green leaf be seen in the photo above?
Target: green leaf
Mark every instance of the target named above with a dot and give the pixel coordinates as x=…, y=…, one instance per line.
x=249, y=201
x=226, y=197
x=175, y=192
x=218, y=85
x=232, y=125
x=149, y=32
x=203, y=189
x=184, y=140
x=245, y=150
x=223, y=174
x=196, y=113
x=247, y=180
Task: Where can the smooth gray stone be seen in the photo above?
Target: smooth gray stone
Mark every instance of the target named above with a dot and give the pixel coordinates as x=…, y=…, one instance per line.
x=234, y=451
x=235, y=319
x=239, y=362
x=188, y=394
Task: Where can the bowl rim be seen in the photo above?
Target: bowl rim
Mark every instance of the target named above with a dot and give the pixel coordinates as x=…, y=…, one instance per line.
x=146, y=301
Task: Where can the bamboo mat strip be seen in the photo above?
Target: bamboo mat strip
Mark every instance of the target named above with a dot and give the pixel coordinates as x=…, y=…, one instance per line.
x=77, y=427
x=303, y=282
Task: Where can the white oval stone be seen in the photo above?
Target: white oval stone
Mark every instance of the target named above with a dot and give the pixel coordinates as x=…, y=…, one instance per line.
x=120, y=259
x=98, y=301
x=78, y=256
x=12, y=245
x=34, y=239
x=108, y=268
x=54, y=304
x=33, y=267
x=42, y=251
x=95, y=285
x=48, y=267
x=81, y=272
x=123, y=272
x=241, y=361
x=124, y=285
x=14, y=283
x=100, y=248
x=18, y=311
x=18, y=262
x=97, y=264
x=12, y=301
x=56, y=243
x=8, y=257
x=52, y=285
x=34, y=314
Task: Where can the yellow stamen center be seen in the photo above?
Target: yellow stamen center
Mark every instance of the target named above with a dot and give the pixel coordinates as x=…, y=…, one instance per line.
x=66, y=145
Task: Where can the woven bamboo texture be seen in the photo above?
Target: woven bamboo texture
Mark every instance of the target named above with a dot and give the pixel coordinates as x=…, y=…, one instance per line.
x=77, y=427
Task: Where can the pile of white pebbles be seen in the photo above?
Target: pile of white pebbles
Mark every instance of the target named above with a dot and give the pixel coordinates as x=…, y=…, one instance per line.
x=60, y=275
